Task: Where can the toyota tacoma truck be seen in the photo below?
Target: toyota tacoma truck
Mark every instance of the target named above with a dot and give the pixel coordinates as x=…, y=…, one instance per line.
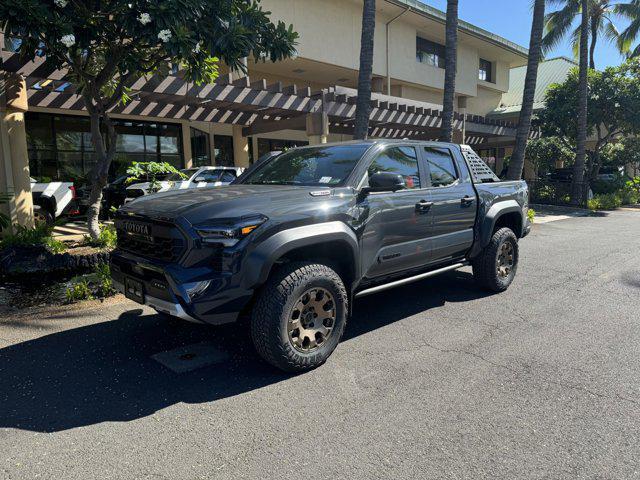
x=288, y=247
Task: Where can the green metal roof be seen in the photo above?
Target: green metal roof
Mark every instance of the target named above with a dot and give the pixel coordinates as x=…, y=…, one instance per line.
x=554, y=70
x=466, y=27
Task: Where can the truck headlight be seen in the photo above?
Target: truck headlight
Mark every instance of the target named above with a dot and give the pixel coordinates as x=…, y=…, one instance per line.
x=229, y=232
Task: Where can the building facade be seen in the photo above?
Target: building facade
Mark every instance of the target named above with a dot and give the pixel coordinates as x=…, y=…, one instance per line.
x=307, y=99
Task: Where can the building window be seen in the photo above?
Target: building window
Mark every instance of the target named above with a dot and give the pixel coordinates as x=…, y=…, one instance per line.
x=429, y=52
x=485, y=71
x=266, y=145
x=60, y=147
x=200, y=148
x=223, y=145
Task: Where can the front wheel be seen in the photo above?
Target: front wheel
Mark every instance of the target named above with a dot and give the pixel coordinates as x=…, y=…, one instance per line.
x=495, y=268
x=299, y=316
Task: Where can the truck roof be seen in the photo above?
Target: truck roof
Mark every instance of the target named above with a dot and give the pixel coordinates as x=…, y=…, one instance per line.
x=382, y=141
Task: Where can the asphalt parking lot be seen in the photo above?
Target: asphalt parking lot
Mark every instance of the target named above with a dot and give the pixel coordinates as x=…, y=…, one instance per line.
x=433, y=380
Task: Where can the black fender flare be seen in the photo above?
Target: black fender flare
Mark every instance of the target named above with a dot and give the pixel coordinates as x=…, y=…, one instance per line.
x=260, y=261
x=488, y=223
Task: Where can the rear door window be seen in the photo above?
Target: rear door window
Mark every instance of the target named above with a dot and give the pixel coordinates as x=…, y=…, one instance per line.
x=442, y=168
x=400, y=160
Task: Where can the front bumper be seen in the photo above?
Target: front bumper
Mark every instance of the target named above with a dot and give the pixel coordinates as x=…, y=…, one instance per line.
x=195, y=294
x=163, y=306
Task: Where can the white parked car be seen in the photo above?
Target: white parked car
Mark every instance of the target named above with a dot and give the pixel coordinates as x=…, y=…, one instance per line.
x=52, y=199
x=201, y=177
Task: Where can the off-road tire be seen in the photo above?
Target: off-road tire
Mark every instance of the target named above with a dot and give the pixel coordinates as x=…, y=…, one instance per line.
x=42, y=216
x=273, y=307
x=485, y=266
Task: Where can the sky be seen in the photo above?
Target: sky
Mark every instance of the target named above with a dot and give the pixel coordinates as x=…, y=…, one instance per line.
x=511, y=19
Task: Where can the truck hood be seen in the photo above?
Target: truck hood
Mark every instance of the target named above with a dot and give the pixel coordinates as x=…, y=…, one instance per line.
x=231, y=201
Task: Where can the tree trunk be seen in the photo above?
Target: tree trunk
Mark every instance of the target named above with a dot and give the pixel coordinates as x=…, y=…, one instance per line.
x=450, y=61
x=99, y=174
x=524, y=124
x=578, y=187
x=592, y=48
x=363, y=103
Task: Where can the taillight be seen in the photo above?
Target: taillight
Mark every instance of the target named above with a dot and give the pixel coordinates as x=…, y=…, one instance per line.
x=73, y=191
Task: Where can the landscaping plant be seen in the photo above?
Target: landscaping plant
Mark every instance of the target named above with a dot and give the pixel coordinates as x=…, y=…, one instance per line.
x=38, y=235
x=106, y=239
x=150, y=171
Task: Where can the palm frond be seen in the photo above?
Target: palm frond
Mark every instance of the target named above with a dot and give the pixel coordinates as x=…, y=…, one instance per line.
x=575, y=42
x=629, y=10
x=610, y=31
x=558, y=24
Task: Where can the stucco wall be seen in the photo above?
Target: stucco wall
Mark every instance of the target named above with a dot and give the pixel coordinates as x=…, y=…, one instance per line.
x=330, y=33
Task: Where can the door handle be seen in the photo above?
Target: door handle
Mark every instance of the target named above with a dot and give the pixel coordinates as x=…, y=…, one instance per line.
x=423, y=206
x=466, y=201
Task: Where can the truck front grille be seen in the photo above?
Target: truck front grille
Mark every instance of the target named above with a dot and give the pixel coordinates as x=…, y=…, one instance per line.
x=165, y=249
x=165, y=243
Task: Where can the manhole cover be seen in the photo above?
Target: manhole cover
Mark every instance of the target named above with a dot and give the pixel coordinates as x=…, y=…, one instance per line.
x=191, y=357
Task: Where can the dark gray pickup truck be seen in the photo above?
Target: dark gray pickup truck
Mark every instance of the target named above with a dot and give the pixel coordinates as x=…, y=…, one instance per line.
x=292, y=242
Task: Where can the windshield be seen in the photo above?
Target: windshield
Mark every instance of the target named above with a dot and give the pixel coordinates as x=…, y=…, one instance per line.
x=314, y=166
x=175, y=177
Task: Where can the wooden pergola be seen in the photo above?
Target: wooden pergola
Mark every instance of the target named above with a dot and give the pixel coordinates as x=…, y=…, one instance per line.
x=258, y=106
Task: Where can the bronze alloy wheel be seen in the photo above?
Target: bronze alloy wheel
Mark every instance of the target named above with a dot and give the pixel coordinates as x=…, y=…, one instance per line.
x=312, y=320
x=39, y=217
x=504, y=262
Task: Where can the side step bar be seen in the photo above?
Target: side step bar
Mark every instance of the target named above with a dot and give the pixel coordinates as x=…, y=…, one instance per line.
x=415, y=278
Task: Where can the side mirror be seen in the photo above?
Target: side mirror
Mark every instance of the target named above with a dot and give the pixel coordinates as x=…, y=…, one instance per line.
x=386, y=182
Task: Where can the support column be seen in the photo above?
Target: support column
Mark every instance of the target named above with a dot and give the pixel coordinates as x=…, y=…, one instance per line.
x=240, y=147
x=186, y=145
x=458, y=137
x=212, y=145
x=14, y=158
x=256, y=153
x=317, y=128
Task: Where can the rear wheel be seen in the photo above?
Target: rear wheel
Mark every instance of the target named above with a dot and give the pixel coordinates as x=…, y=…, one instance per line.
x=299, y=316
x=495, y=268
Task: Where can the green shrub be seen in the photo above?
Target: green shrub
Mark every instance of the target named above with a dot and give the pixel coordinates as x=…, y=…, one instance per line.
x=39, y=235
x=106, y=239
x=54, y=245
x=94, y=285
x=104, y=287
x=531, y=215
x=79, y=290
x=609, y=201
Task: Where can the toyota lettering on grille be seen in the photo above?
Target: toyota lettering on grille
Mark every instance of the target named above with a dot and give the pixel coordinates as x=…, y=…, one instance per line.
x=137, y=228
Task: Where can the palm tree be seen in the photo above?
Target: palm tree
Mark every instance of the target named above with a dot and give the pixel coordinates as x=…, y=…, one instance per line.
x=450, y=60
x=630, y=11
x=524, y=124
x=578, y=190
x=600, y=22
x=363, y=103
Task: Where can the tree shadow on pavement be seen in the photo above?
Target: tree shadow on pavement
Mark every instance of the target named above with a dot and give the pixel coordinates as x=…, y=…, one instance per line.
x=104, y=372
